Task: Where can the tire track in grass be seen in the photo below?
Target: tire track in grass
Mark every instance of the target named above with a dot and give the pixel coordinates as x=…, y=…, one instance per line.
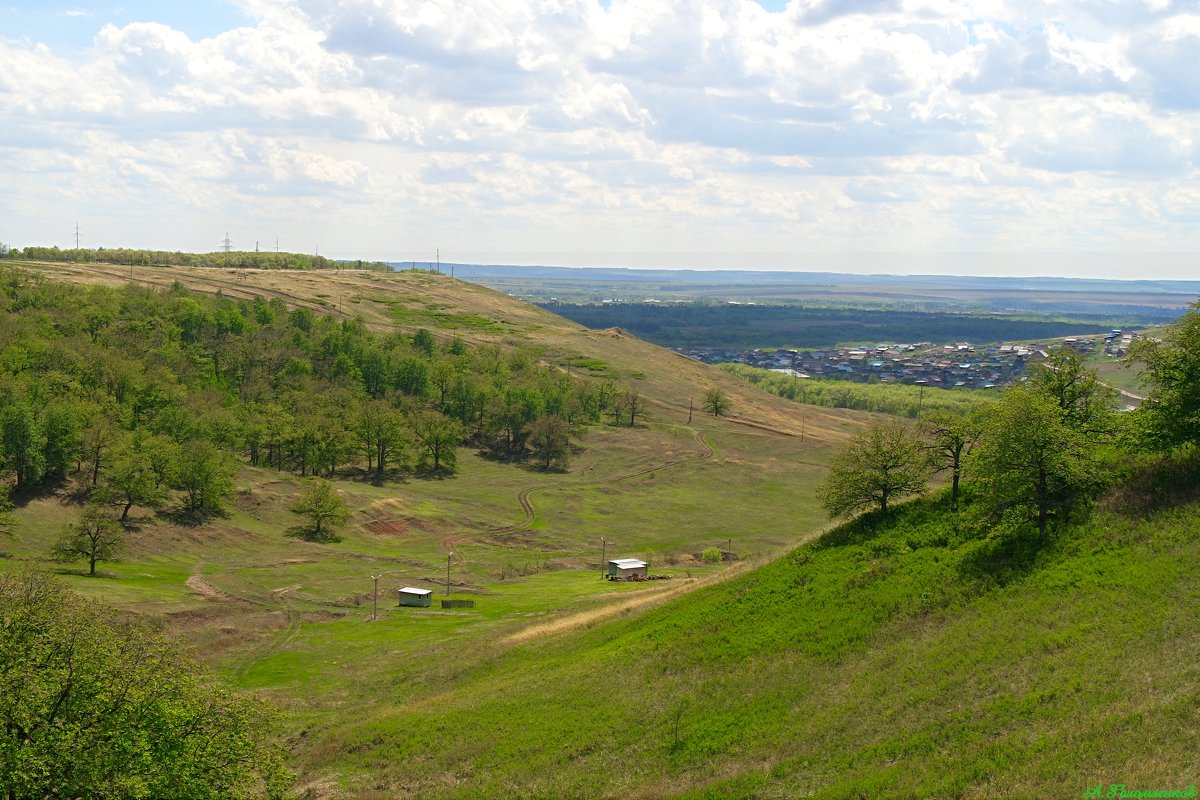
x=285, y=636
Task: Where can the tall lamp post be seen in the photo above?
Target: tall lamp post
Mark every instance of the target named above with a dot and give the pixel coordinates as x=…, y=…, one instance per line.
x=603, y=555
x=449, y=556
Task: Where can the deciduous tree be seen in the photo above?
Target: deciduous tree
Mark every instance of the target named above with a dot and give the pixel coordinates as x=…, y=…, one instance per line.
x=550, y=440
x=1170, y=416
x=951, y=437
x=1032, y=464
x=94, y=704
x=95, y=537
x=716, y=402
x=323, y=506
x=884, y=462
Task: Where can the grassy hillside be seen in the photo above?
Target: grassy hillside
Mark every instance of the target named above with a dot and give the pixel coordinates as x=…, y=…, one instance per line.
x=906, y=659
x=896, y=660
x=293, y=618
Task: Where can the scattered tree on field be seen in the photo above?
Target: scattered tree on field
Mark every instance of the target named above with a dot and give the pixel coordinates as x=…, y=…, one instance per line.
x=95, y=537
x=324, y=507
x=96, y=704
x=716, y=402
x=550, y=440
x=1031, y=463
x=132, y=478
x=882, y=463
x=951, y=438
x=633, y=407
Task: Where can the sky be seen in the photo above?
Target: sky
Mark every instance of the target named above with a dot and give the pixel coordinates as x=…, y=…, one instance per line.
x=921, y=136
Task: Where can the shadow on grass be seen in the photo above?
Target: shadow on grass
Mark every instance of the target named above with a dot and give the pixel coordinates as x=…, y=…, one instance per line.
x=192, y=518
x=1158, y=485
x=1005, y=559
x=309, y=534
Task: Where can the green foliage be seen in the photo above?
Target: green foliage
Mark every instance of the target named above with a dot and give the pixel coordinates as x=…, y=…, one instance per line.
x=550, y=441
x=96, y=705
x=1087, y=405
x=204, y=474
x=95, y=537
x=885, y=398
x=84, y=369
x=162, y=258
x=324, y=507
x=884, y=462
x=951, y=437
x=1170, y=416
x=8, y=522
x=1032, y=464
x=716, y=402
x=711, y=555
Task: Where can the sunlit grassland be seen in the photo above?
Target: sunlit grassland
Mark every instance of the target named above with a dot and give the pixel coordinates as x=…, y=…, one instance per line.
x=877, y=663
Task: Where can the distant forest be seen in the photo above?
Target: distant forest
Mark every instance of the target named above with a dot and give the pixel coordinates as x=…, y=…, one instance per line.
x=167, y=258
x=740, y=327
x=142, y=391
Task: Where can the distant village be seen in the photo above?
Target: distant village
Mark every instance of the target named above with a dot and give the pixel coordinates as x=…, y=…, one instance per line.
x=960, y=365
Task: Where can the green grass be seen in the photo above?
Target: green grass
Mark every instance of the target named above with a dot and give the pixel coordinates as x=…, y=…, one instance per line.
x=905, y=659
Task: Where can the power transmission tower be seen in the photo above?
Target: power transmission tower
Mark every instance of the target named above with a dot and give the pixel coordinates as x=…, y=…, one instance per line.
x=76, y=235
x=227, y=243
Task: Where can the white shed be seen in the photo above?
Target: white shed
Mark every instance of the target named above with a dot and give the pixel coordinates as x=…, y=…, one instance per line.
x=421, y=598
x=627, y=567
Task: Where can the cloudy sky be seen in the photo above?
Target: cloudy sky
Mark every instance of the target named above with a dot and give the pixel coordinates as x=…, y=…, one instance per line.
x=913, y=135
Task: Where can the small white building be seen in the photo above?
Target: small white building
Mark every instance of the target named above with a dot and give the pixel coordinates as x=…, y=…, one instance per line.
x=627, y=568
x=419, y=598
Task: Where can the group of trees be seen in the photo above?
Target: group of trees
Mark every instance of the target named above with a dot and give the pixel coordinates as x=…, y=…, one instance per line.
x=151, y=398
x=899, y=399
x=1042, y=449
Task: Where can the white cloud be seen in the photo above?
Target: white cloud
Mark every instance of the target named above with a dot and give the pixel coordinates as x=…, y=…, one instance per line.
x=833, y=125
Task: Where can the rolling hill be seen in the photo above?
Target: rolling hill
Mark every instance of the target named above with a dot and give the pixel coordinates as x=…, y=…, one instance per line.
x=904, y=658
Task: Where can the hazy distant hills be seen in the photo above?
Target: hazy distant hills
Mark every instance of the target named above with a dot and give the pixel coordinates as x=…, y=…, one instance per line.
x=750, y=277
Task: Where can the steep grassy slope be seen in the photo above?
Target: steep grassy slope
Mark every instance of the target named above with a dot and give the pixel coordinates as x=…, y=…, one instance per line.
x=878, y=662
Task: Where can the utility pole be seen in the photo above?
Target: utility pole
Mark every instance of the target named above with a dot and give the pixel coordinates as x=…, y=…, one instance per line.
x=439, y=260
x=603, y=555
x=449, y=556
x=375, y=606
x=690, y=401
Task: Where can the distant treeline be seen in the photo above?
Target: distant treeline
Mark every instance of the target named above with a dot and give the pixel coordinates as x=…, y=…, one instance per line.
x=165, y=258
x=884, y=398
x=739, y=327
